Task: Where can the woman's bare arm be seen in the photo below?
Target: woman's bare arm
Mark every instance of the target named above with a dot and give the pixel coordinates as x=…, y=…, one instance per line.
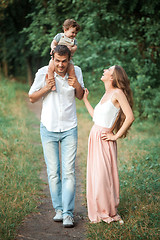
x=87, y=103
x=129, y=117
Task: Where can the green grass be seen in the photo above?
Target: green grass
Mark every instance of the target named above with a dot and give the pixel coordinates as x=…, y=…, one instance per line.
x=20, y=164
x=20, y=158
x=139, y=167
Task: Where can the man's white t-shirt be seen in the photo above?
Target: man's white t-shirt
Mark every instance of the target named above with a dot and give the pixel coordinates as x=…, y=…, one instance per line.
x=59, y=107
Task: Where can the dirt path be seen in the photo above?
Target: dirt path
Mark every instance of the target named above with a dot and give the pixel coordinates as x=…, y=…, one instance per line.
x=40, y=226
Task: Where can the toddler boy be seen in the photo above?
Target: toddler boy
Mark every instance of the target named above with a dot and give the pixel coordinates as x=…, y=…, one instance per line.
x=70, y=28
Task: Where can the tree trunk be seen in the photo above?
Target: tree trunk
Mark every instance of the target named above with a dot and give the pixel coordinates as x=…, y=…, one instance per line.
x=29, y=71
x=5, y=68
x=4, y=62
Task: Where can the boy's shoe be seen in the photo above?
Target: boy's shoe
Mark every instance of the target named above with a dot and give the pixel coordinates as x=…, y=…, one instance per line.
x=68, y=222
x=59, y=216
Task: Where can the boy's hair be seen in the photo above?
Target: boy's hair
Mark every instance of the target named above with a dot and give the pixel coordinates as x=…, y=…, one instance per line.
x=62, y=50
x=71, y=23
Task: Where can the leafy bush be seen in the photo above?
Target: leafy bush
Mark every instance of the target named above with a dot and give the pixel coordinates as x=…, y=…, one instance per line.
x=112, y=32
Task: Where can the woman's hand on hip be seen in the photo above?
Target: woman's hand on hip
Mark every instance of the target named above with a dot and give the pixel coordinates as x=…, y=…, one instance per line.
x=108, y=136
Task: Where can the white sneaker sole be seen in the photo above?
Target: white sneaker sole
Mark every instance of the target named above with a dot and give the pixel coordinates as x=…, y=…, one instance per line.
x=68, y=225
x=57, y=220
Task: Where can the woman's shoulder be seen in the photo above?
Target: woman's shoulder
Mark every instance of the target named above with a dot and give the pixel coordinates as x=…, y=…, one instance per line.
x=118, y=93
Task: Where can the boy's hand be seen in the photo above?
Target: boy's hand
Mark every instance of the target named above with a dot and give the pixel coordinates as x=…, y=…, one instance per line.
x=53, y=47
x=70, y=48
x=73, y=49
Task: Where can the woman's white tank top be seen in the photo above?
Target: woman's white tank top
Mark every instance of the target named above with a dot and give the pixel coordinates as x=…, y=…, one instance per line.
x=105, y=114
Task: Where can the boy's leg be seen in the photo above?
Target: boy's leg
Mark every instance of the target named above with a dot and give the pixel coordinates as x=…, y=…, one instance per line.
x=51, y=73
x=70, y=70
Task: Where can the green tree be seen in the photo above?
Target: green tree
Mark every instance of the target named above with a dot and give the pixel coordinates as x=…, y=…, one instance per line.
x=125, y=33
x=112, y=32
x=16, y=58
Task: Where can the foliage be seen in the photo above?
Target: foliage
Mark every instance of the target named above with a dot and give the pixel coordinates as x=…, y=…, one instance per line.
x=15, y=53
x=112, y=32
x=20, y=165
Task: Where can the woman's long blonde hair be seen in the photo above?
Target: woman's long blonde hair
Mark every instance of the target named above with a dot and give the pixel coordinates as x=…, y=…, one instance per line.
x=121, y=81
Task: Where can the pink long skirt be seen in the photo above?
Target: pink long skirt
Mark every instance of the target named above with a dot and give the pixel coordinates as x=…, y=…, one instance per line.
x=102, y=178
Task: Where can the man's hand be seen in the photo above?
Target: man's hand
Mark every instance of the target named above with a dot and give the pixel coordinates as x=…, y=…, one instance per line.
x=50, y=83
x=34, y=97
x=73, y=82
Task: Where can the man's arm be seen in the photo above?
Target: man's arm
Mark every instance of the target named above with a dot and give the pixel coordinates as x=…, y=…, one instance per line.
x=77, y=82
x=79, y=91
x=34, y=97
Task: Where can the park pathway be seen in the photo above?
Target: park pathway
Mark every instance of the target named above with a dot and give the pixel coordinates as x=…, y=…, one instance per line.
x=40, y=226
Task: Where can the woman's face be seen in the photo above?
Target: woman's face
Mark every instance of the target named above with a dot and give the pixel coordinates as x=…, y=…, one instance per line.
x=107, y=74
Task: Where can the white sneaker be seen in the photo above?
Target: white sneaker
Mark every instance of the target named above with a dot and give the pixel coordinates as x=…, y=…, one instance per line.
x=59, y=216
x=68, y=222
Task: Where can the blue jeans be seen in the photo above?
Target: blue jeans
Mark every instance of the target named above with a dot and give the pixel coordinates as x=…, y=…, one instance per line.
x=62, y=188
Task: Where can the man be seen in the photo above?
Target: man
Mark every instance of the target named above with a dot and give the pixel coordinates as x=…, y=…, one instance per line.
x=59, y=126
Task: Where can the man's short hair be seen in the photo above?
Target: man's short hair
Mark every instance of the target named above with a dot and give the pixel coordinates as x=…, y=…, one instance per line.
x=62, y=50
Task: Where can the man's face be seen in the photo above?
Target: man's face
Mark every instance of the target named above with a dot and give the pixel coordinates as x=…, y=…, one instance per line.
x=60, y=64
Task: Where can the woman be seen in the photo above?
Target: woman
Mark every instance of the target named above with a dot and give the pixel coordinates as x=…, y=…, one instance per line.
x=113, y=112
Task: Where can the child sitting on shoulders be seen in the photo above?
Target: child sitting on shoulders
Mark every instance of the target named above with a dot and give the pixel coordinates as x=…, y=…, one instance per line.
x=70, y=28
